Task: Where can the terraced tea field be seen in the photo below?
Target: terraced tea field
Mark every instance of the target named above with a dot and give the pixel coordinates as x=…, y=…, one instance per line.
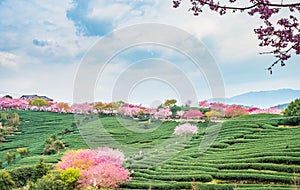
x=249, y=152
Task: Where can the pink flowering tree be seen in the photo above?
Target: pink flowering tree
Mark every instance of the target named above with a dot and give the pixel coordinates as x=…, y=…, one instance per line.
x=193, y=114
x=254, y=110
x=218, y=106
x=188, y=103
x=180, y=113
x=280, y=22
x=235, y=111
x=185, y=129
x=83, y=108
x=204, y=104
x=272, y=110
x=101, y=168
x=13, y=104
x=107, y=175
x=162, y=113
x=130, y=110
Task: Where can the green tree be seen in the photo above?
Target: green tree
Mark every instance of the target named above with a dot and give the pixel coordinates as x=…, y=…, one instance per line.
x=6, y=181
x=8, y=96
x=292, y=112
x=39, y=102
x=170, y=103
x=48, y=182
x=70, y=177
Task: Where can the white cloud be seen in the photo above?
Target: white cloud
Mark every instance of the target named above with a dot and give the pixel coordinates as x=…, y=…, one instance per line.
x=8, y=60
x=50, y=66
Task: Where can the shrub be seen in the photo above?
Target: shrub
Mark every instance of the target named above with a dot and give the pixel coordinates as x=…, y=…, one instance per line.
x=70, y=177
x=53, y=145
x=23, y=151
x=48, y=150
x=22, y=175
x=48, y=182
x=6, y=181
x=58, y=145
x=9, y=157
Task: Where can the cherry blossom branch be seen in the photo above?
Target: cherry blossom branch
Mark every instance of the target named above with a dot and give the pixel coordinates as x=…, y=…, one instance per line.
x=278, y=35
x=201, y=2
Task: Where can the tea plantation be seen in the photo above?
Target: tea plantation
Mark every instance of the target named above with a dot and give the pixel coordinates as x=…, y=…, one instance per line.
x=248, y=152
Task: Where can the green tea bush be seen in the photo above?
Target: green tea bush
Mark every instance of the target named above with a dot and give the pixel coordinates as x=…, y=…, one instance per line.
x=6, y=181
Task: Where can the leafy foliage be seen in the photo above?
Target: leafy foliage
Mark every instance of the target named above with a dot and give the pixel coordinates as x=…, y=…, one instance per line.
x=6, y=181
x=53, y=145
x=39, y=102
x=293, y=112
x=22, y=175
x=23, y=151
x=170, y=103
x=9, y=157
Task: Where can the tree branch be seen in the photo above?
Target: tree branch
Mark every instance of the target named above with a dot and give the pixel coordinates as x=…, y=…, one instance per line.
x=250, y=7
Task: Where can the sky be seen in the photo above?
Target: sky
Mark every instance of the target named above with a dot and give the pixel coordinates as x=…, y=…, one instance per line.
x=140, y=51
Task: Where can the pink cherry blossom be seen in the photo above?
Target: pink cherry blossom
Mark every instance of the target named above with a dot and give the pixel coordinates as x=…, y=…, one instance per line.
x=278, y=31
x=163, y=113
x=193, y=114
x=186, y=128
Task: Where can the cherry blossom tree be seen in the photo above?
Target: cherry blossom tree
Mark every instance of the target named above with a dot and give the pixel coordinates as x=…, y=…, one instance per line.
x=98, y=168
x=193, y=114
x=13, y=104
x=235, y=110
x=280, y=30
x=162, y=113
x=180, y=113
x=185, y=129
x=272, y=110
x=83, y=108
x=204, y=104
x=129, y=110
x=105, y=175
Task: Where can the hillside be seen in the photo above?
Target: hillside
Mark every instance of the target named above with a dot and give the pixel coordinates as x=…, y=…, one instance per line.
x=250, y=152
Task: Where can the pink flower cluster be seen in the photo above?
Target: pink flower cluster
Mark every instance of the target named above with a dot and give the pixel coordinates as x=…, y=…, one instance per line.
x=281, y=35
x=83, y=108
x=185, y=129
x=236, y=110
x=193, y=114
x=98, y=168
x=272, y=110
x=13, y=104
x=129, y=110
x=162, y=113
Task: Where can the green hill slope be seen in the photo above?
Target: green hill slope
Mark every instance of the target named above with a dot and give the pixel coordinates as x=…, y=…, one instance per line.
x=250, y=152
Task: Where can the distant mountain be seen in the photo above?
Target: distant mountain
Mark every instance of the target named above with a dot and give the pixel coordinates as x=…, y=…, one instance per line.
x=265, y=99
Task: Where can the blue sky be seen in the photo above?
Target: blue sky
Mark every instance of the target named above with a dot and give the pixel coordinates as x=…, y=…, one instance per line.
x=43, y=43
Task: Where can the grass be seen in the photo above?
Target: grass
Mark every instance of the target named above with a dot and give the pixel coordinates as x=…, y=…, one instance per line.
x=249, y=152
